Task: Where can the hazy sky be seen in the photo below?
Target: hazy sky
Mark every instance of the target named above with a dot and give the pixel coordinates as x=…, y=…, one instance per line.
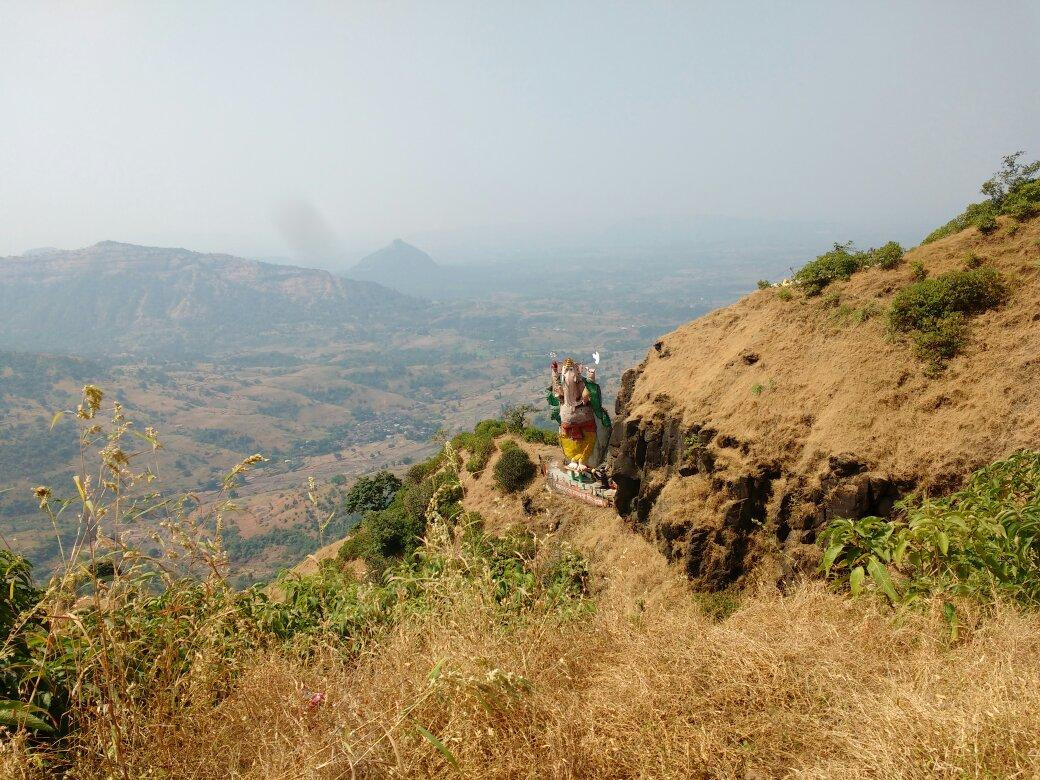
x=245, y=126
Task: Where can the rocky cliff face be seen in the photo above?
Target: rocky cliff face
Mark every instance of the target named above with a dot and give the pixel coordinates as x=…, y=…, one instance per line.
x=711, y=506
x=742, y=433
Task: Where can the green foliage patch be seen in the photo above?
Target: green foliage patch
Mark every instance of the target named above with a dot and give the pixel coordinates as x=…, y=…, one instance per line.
x=842, y=262
x=981, y=542
x=934, y=311
x=372, y=493
x=514, y=469
x=1014, y=190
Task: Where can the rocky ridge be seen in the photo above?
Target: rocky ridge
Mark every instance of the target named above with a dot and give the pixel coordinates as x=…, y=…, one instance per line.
x=742, y=433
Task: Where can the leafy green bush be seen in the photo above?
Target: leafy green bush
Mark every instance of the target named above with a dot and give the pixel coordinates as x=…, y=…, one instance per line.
x=764, y=284
x=981, y=542
x=489, y=428
x=480, y=444
x=423, y=469
x=540, y=436
x=784, y=294
x=482, y=448
x=1024, y=201
x=515, y=417
x=371, y=494
x=887, y=256
x=18, y=597
x=933, y=311
x=842, y=262
x=514, y=469
x=1013, y=190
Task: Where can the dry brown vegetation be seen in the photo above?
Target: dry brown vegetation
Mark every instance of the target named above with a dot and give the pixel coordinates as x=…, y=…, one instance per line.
x=807, y=684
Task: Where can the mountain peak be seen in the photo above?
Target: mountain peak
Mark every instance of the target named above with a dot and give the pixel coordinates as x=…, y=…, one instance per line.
x=399, y=265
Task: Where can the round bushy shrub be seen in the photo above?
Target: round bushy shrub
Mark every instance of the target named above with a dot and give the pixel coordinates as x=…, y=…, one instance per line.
x=514, y=469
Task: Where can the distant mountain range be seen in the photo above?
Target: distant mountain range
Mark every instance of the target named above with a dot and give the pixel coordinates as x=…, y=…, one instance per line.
x=115, y=297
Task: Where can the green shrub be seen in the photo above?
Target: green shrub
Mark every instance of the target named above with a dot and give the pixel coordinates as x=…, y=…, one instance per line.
x=972, y=260
x=981, y=542
x=489, y=428
x=481, y=446
x=1013, y=190
x=934, y=311
x=394, y=532
x=764, y=284
x=840, y=263
x=514, y=469
x=372, y=493
x=965, y=292
x=918, y=270
x=540, y=436
x=515, y=417
x=423, y=469
x=887, y=256
x=1024, y=201
x=942, y=340
x=784, y=294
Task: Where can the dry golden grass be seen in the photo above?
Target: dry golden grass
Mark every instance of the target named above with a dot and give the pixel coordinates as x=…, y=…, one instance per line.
x=808, y=685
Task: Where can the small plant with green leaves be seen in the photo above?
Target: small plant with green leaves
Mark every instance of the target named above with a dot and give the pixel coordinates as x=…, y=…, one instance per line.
x=784, y=294
x=918, y=271
x=842, y=262
x=764, y=284
x=540, y=436
x=982, y=542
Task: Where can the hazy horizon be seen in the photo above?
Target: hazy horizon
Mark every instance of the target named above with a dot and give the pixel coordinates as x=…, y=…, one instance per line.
x=319, y=133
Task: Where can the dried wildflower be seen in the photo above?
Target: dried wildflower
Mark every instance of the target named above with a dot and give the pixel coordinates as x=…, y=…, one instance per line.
x=43, y=495
x=252, y=460
x=114, y=457
x=92, y=399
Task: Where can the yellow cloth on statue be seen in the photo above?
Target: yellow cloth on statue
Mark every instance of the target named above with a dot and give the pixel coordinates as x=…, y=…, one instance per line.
x=579, y=451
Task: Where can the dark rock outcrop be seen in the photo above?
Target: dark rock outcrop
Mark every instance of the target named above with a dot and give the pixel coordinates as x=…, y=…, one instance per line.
x=718, y=511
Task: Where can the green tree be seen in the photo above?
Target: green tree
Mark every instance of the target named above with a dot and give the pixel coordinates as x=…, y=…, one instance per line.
x=1009, y=178
x=372, y=493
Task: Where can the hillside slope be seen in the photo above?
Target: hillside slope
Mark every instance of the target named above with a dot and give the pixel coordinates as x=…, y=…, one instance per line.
x=743, y=432
x=114, y=297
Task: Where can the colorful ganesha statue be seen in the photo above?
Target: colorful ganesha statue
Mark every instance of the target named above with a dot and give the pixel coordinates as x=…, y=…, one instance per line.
x=578, y=407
